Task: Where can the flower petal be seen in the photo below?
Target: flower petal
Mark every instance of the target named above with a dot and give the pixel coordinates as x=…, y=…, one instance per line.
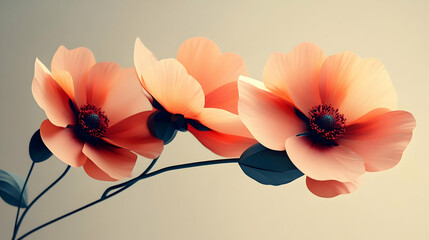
x=95, y=172
x=269, y=118
x=225, y=97
x=295, y=75
x=143, y=57
x=380, y=140
x=132, y=133
x=116, y=90
x=330, y=188
x=118, y=163
x=169, y=83
x=223, y=121
x=327, y=163
x=63, y=143
x=65, y=81
x=222, y=144
x=77, y=62
x=356, y=86
x=51, y=97
x=204, y=61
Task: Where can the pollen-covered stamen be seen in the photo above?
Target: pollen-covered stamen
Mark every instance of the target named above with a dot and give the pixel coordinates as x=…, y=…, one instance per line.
x=92, y=120
x=327, y=122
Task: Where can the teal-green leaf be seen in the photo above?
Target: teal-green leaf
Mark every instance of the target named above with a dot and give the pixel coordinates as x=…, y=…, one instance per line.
x=37, y=149
x=10, y=189
x=267, y=166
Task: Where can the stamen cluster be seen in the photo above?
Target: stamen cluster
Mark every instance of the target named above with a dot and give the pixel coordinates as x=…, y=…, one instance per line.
x=93, y=120
x=327, y=122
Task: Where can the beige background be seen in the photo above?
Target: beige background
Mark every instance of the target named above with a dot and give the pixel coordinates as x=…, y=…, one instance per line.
x=217, y=202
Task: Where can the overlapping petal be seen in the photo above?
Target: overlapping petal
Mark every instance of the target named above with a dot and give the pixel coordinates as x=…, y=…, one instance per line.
x=63, y=143
x=223, y=121
x=330, y=188
x=324, y=163
x=143, y=58
x=224, y=97
x=50, y=96
x=116, y=162
x=269, y=118
x=205, y=62
x=95, y=172
x=132, y=133
x=356, y=86
x=116, y=90
x=169, y=83
x=295, y=76
x=77, y=62
x=381, y=138
x=222, y=144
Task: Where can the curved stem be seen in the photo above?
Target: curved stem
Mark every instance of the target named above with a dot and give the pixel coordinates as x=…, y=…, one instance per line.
x=108, y=190
x=176, y=167
x=37, y=198
x=20, y=198
x=189, y=165
x=130, y=183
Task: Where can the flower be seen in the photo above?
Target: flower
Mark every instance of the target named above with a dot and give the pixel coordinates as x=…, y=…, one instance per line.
x=96, y=114
x=199, y=91
x=333, y=116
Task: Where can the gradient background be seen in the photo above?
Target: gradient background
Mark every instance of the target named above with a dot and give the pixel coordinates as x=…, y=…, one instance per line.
x=216, y=202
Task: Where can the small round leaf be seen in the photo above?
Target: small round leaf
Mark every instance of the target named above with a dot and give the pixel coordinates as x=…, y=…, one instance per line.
x=267, y=166
x=38, y=150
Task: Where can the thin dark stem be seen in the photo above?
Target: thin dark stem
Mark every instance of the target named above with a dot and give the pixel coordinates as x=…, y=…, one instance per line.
x=176, y=167
x=37, y=198
x=129, y=181
x=171, y=168
x=20, y=198
x=189, y=165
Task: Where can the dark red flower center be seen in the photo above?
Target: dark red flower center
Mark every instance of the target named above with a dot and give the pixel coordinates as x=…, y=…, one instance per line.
x=92, y=121
x=326, y=122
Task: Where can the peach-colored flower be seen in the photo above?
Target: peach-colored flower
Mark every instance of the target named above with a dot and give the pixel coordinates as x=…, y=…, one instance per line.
x=96, y=114
x=201, y=86
x=332, y=115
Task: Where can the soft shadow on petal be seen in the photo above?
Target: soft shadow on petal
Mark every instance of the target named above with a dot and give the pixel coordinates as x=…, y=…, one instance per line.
x=63, y=143
x=143, y=58
x=64, y=79
x=356, y=86
x=169, y=83
x=223, y=121
x=295, y=75
x=77, y=62
x=95, y=172
x=324, y=163
x=116, y=90
x=117, y=162
x=132, y=133
x=330, y=188
x=269, y=118
x=51, y=97
x=380, y=139
x=223, y=144
x=225, y=97
x=204, y=61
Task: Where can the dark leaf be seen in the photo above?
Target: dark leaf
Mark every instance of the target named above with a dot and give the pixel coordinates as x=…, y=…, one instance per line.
x=267, y=166
x=161, y=126
x=38, y=150
x=197, y=125
x=10, y=189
